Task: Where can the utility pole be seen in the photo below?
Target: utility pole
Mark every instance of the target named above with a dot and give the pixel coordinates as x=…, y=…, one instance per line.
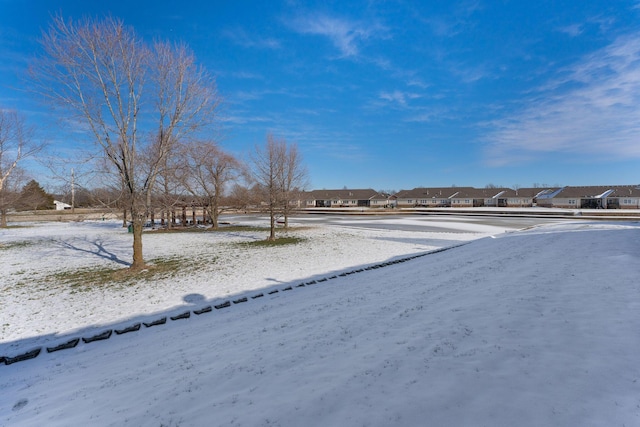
x=73, y=192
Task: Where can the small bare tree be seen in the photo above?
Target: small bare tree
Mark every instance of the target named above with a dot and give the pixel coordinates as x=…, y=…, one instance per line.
x=293, y=181
x=268, y=167
x=16, y=145
x=209, y=172
x=280, y=174
x=240, y=197
x=112, y=82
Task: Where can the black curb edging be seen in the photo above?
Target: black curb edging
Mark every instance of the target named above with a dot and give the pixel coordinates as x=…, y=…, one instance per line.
x=184, y=315
x=131, y=328
x=101, y=336
x=160, y=321
x=32, y=354
x=203, y=310
x=26, y=356
x=64, y=346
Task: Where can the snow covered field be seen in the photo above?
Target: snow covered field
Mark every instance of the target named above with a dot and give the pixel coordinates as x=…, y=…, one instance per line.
x=530, y=327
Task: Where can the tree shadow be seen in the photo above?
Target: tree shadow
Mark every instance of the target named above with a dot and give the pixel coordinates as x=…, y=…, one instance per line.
x=98, y=250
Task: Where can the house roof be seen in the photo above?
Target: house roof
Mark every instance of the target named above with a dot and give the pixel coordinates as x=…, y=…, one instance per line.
x=431, y=192
x=596, y=192
x=344, y=194
x=532, y=192
x=481, y=193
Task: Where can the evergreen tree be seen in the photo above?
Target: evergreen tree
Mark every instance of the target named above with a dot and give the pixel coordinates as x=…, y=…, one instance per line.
x=33, y=197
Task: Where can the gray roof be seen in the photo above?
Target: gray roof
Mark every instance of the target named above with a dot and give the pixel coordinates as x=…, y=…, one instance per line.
x=599, y=191
x=428, y=193
x=344, y=194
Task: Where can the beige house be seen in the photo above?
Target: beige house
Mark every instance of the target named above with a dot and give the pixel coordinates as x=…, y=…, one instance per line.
x=478, y=197
x=345, y=198
x=383, y=200
x=435, y=197
x=525, y=197
x=593, y=197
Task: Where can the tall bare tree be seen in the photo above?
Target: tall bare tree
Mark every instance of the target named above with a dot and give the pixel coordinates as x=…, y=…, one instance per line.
x=114, y=83
x=210, y=171
x=16, y=145
x=268, y=167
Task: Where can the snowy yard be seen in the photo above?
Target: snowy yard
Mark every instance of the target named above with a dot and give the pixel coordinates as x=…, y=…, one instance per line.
x=517, y=327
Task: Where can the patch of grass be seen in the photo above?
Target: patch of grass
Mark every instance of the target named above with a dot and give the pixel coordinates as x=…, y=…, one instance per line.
x=221, y=228
x=281, y=241
x=83, y=279
x=237, y=228
x=14, y=245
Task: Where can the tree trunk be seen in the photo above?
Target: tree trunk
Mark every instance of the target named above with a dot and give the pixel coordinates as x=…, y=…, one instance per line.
x=3, y=218
x=214, y=215
x=286, y=217
x=272, y=229
x=138, y=260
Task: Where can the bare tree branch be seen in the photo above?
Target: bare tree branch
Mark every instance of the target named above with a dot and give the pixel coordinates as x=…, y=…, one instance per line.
x=16, y=145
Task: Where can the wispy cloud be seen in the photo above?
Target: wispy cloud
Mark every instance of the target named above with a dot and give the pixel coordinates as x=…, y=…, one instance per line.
x=244, y=119
x=346, y=35
x=398, y=98
x=454, y=23
x=573, y=30
x=414, y=81
x=240, y=37
x=591, y=111
x=247, y=75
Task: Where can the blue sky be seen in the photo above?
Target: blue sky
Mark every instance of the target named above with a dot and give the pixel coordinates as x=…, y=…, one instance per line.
x=396, y=94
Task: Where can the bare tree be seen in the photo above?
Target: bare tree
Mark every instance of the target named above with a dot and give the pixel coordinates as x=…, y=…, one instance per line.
x=16, y=145
x=293, y=181
x=240, y=197
x=268, y=167
x=187, y=100
x=112, y=82
x=210, y=172
x=280, y=174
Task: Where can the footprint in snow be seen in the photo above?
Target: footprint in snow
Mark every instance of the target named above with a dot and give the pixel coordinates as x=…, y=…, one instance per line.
x=20, y=404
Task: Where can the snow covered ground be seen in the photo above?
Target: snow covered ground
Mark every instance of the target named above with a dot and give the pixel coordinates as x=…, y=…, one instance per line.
x=530, y=327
